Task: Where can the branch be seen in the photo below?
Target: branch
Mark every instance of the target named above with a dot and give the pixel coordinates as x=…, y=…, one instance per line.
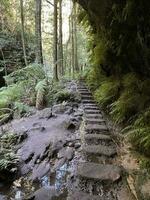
x=49, y=2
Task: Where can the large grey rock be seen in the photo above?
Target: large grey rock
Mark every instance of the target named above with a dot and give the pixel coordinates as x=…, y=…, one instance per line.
x=44, y=193
x=100, y=150
x=45, y=113
x=99, y=172
x=78, y=195
x=40, y=170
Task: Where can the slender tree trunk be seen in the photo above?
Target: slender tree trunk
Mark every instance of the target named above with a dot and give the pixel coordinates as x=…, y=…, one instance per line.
x=75, y=67
x=75, y=38
x=55, y=56
x=60, y=39
x=38, y=32
x=72, y=45
x=23, y=32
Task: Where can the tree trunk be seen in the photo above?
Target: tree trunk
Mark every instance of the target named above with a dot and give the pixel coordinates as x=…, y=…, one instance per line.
x=55, y=62
x=23, y=32
x=38, y=33
x=75, y=39
x=60, y=40
x=75, y=67
x=72, y=45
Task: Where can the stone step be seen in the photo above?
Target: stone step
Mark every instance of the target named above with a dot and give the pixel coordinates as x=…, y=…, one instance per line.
x=99, y=172
x=91, y=107
x=94, y=116
x=100, y=150
x=90, y=104
x=98, y=139
x=85, y=92
x=105, y=138
x=88, y=101
x=79, y=195
x=82, y=88
x=96, y=127
x=91, y=111
x=94, y=121
x=86, y=97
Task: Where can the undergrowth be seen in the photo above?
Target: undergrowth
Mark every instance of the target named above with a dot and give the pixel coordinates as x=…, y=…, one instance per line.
x=127, y=100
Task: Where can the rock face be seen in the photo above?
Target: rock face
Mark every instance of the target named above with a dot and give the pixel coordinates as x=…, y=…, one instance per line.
x=45, y=193
x=76, y=195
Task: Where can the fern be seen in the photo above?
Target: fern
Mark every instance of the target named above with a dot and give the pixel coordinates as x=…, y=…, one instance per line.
x=41, y=88
x=107, y=92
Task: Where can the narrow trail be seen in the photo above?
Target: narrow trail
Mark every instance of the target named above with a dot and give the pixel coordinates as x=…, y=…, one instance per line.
x=69, y=156
x=99, y=175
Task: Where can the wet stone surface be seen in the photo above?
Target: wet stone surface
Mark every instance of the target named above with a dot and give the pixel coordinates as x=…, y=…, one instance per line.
x=68, y=154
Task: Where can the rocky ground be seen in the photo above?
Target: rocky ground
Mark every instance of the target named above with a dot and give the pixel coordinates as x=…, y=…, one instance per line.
x=68, y=153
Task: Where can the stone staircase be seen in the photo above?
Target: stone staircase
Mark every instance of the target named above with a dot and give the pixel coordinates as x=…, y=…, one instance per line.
x=99, y=176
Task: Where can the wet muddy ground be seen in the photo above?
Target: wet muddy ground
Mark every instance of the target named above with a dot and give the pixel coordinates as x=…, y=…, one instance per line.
x=67, y=154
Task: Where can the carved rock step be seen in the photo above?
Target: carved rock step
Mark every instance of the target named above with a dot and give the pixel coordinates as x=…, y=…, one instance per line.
x=83, y=88
x=94, y=116
x=90, y=104
x=99, y=172
x=88, y=101
x=91, y=111
x=77, y=195
x=86, y=97
x=101, y=150
x=85, y=92
x=91, y=107
x=105, y=138
x=96, y=127
x=94, y=121
x=98, y=139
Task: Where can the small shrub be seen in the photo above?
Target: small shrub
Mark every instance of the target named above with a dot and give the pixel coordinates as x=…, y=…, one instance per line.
x=20, y=109
x=63, y=95
x=126, y=107
x=139, y=133
x=41, y=89
x=107, y=92
x=31, y=72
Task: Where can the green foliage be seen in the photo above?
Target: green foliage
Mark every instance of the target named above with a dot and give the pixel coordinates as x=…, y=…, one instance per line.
x=8, y=140
x=8, y=158
x=33, y=72
x=41, y=89
x=20, y=109
x=107, y=92
x=11, y=94
x=63, y=95
x=139, y=133
x=21, y=85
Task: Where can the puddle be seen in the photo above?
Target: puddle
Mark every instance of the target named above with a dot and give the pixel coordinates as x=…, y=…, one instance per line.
x=56, y=181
